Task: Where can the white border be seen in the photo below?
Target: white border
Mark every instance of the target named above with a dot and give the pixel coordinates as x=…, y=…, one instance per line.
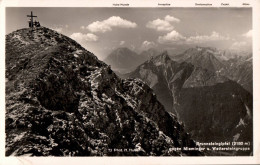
x=255, y=4
x=132, y=3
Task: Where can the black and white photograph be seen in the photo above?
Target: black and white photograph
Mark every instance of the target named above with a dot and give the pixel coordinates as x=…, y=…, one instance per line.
x=132, y=81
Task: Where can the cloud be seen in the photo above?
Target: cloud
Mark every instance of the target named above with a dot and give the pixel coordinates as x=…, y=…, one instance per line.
x=122, y=43
x=215, y=36
x=106, y=25
x=148, y=45
x=171, y=19
x=163, y=25
x=159, y=25
x=132, y=47
x=171, y=37
x=239, y=45
x=82, y=38
x=58, y=29
x=243, y=43
x=82, y=27
x=248, y=34
x=176, y=37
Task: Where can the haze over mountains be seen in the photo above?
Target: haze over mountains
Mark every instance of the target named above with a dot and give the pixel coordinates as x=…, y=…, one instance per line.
x=62, y=101
x=236, y=66
x=124, y=60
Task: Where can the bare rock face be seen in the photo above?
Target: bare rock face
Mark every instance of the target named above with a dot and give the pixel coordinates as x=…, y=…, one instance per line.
x=165, y=77
x=62, y=101
x=240, y=69
x=235, y=66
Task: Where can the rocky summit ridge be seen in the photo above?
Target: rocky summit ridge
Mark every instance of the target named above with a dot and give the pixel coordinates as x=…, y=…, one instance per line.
x=62, y=101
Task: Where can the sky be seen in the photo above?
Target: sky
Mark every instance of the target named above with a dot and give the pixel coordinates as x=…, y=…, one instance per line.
x=101, y=30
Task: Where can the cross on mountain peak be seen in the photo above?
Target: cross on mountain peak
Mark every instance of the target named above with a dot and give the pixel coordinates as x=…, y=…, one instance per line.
x=31, y=23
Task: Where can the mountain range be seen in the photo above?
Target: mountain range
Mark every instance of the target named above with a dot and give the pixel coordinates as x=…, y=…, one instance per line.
x=124, y=60
x=236, y=67
x=62, y=101
x=212, y=106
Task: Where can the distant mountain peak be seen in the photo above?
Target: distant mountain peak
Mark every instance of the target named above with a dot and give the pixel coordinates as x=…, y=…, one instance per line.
x=205, y=48
x=151, y=52
x=203, y=51
x=206, y=57
x=122, y=57
x=163, y=58
x=122, y=51
x=164, y=54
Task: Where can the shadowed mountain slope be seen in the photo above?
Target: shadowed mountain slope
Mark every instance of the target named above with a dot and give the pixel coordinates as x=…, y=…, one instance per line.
x=212, y=107
x=62, y=101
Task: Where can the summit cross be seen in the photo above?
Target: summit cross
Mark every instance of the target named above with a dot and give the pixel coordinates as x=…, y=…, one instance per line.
x=31, y=20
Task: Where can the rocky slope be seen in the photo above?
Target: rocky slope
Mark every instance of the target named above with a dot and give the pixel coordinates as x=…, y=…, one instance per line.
x=62, y=101
x=164, y=76
x=235, y=66
x=240, y=69
x=212, y=107
x=202, y=57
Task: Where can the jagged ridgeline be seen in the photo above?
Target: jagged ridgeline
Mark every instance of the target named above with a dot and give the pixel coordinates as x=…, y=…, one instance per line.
x=212, y=107
x=61, y=100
